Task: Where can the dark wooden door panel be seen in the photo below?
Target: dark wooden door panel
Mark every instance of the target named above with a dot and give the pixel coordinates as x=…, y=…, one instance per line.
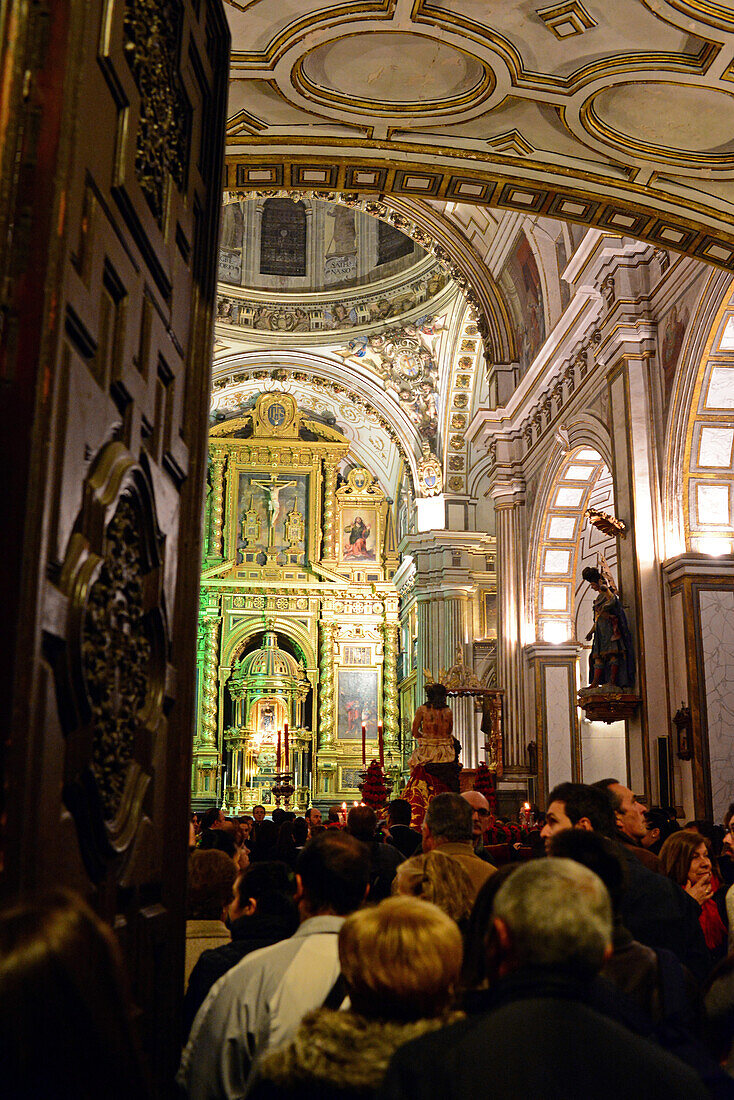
x=111, y=175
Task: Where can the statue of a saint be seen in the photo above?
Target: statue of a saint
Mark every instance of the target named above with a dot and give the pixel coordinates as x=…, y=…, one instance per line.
x=612, y=660
x=434, y=765
x=433, y=730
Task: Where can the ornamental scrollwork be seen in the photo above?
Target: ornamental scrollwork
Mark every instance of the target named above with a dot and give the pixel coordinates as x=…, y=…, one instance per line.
x=152, y=43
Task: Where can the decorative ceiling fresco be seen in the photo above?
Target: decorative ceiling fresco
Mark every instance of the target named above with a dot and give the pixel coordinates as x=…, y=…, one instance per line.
x=613, y=115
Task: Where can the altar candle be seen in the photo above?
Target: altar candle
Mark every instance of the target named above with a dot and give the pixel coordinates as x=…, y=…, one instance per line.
x=364, y=745
x=381, y=744
x=285, y=740
x=277, y=754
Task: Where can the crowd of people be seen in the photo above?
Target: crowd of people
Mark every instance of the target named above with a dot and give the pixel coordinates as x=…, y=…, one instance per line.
x=331, y=957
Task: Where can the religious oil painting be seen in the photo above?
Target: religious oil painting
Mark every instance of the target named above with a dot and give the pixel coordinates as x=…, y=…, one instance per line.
x=272, y=515
x=357, y=703
x=358, y=533
x=520, y=282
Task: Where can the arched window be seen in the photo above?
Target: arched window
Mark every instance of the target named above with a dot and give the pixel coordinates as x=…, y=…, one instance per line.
x=283, y=238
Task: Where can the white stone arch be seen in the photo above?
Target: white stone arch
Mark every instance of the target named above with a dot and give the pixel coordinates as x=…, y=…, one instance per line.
x=353, y=379
x=585, y=432
x=698, y=502
x=237, y=640
x=557, y=549
x=559, y=602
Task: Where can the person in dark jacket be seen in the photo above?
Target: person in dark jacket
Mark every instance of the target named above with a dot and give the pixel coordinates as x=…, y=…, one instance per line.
x=407, y=841
x=263, y=911
x=654, y=909
x=384, y=859
x=633, y=968
x=536, y=1034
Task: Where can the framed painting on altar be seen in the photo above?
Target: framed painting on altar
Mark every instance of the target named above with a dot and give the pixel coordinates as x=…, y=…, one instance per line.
x=358, y=534
x=268, y=500
x=357, y=702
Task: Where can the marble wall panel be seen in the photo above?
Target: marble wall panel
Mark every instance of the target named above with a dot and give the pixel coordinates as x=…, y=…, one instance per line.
x=717, y=645
x=558, y=724
x=603, y=751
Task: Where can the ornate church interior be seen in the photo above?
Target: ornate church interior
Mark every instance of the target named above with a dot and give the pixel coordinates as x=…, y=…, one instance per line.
x=345, y=349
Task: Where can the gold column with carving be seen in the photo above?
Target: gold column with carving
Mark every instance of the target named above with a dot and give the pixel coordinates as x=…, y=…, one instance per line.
x=209, y=704
x=219, y=459
x=327, y=714
x=390, y=688
x=330, y=467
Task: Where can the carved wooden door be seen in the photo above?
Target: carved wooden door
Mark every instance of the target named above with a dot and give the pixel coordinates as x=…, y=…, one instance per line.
x=111, y=139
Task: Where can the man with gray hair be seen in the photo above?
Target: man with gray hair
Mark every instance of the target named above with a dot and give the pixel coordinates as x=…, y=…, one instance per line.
x=535, y=1033
x=447, y=827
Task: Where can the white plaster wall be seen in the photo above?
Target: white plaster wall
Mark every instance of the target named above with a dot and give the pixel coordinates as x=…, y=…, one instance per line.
x=558, y=722
x=717, y=645
x=603, y=751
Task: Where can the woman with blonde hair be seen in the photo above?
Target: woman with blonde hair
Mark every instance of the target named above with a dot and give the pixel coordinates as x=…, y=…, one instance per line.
x=439, y=879
x=400, y=963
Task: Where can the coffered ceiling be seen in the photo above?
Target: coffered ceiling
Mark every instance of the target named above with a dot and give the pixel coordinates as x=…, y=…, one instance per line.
x=615, y=114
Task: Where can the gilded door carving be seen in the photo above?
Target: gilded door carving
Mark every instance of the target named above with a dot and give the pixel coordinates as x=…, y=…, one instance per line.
x=111, y=124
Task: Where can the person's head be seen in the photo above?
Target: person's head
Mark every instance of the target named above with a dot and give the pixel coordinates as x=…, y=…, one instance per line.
x=285, y=844
x=599, y=854
x=362, y=823
x=64, y=1021
x=267, y=889
x=629, y=813
x=592, y=576
x=479, y=811
x=552, y=913
x=313, y=817
x=436, y=696
x=439, y=879
x=278, y=816
x=660, y=825
x=685, y=858
x=246, y=826
x=478, y=966
x=211, y=819
x=727, y=844
x=258, y=814
x=211, y=876
x=300, y=832
x=578, y=806
x=399, y=812
x=332, y=873
x=218, y=840
x=448, y=820
x=334, y=816
x=401, y=960
x=266, y=839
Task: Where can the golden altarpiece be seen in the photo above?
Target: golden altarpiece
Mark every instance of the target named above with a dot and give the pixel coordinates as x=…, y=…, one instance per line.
x=299, y=615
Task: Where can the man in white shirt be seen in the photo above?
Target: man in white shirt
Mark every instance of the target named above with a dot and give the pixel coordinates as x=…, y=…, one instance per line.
x=259, y=1003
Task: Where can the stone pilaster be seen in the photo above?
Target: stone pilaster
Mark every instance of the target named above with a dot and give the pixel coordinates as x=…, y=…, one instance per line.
x=330, y=467
x=327, y=710
x=509, y=503
x=209, y=703
x=219, y=459
x=390, y=688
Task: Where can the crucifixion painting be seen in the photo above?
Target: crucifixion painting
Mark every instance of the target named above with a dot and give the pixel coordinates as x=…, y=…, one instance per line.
x=272, y=490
